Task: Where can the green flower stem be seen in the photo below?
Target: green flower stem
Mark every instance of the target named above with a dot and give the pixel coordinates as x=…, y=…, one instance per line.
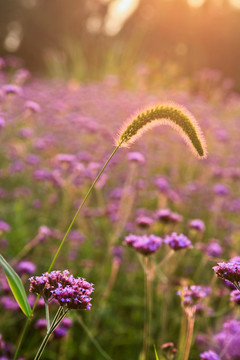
x=183, y=330
x=148, y=310
x=47, y=315
x=93, y=340
x=166, y=258
x=58, y=318
x=63, y=240
x=189, y=336
x=22, y=337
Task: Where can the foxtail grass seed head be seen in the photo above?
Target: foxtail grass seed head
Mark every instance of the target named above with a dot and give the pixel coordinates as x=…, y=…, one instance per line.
x=167, y=114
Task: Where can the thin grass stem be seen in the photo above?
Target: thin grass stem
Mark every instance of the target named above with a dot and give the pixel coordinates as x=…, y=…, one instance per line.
x=26, y=326
x=93, y=340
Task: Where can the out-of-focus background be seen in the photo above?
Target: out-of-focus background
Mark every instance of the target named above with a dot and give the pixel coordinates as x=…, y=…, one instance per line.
x=87, y=39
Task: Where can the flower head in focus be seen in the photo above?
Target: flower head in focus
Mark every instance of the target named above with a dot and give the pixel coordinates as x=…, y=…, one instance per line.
x=74, y=293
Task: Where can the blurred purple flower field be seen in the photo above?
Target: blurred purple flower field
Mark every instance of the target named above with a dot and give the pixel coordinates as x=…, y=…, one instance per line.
x=179, y=214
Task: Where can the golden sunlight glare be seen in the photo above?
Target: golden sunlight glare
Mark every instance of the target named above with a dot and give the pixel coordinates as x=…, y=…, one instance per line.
x=118, y=12
x=196, y=3
x=235, y=3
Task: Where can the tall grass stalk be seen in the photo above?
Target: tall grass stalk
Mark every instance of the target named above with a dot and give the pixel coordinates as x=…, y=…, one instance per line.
x=63, y=241
x=93, y=340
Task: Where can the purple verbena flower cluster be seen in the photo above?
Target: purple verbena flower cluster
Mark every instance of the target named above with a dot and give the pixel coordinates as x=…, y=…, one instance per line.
x=235, y=296
x=178, y=241
x=146, y=244
x=209, y=355
x=228, y=339
x=228, y=271
x=191, y=295
x=74, y=293
x=197, y=225
x=167, y=216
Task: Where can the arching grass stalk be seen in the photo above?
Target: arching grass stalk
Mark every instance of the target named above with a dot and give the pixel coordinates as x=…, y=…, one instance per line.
x=165, y=114
x=62, y=243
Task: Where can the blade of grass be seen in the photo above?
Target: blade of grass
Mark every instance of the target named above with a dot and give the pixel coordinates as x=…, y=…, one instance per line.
x=16, y=286
x=155, y=352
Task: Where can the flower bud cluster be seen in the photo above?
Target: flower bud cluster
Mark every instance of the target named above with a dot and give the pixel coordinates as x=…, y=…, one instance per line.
x=178, y=241
x=191, y=295
x=74, y=293
x=146, y=244
x=228, y=271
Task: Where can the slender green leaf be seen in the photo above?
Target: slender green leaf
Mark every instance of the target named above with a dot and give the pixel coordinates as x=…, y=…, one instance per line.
x=16, y=286
x=155, y=352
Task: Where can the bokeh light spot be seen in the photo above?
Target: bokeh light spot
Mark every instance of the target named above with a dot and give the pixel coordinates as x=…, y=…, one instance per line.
x=118, y=12
x=14, y=36
x=196, y=3
x=235, y=3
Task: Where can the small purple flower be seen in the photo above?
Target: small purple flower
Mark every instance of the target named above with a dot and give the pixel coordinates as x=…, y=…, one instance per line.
x=66, y=323
x=235, y=259
x=44, y=232
x=42, y=174
x=209, y=355
x=221, y=189
x=40, y=324
x=76, y=236
x=146, y=244
x=11, y=89
x=197, y=224
x=228, y=271
x=33, y=159
x=26, y=267
x=65, y=158
x=191, y=295
x=144, y=221
x=2, y=122
x=60, y=332
x=178, y=242
x=162, y=184
x=9, y=303
x=214, y=249
x=235, y=296
x=167, y=216
x=4, y=226
x=136, y=157
x=21, y=76
x=25, y=132
x=117, y=253
x=32, y=106
x=228, y=339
